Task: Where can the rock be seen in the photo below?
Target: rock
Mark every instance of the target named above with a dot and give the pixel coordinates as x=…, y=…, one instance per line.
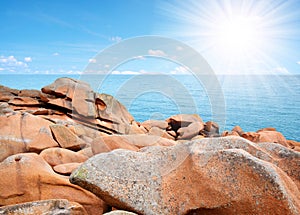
x=50, y=206
x=66, y=138
x=192, y=130
x=238, y=130
x=272, y=136
x=155, y=123
x=216, y=176
x=109, y=143
x=73, y=95
x=293, y=144
x=87, y=152
x=41, y=111
x=56, y=156
x=10, y=146
x=27, y=177
x=183, y=120
x=42, y=141
x=112, y=110
x=30, y=93
x=266, y=129
x=130, y=142
x=120, y=212
x=7, y=94
x=211, y=129
x=136, y=129
x=20, y=130
x=66, y=169
x=161, y=133
x=23, y=101
x=230, y=133
x=265, y=136
x=61, y=103
x=5, y=109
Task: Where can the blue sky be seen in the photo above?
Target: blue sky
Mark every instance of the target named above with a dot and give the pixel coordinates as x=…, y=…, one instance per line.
x=62, y=36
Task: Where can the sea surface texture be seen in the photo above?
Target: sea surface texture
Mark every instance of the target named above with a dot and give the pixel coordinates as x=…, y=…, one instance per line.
x=252, y=102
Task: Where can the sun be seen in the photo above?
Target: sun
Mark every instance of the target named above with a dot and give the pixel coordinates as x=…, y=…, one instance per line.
x=237, y=35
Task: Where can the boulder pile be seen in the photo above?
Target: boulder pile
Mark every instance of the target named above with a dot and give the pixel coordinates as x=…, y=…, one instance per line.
x=69, y=150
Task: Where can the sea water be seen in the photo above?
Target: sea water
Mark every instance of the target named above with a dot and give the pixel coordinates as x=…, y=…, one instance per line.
x=252, y=101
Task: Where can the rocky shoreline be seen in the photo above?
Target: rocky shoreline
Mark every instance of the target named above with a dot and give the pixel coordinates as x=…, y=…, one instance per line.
x=69, y=150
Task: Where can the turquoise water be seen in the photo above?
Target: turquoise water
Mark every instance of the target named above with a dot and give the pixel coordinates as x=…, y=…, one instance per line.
x=253, y=102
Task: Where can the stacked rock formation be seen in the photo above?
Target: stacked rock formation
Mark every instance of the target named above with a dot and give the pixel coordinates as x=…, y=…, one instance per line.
x=180, y=165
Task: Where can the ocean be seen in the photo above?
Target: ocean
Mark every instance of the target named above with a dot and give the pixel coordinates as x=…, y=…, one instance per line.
x=252, y=101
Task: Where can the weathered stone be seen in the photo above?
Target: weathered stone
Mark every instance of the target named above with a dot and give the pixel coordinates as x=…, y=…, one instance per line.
x=192, y=130
x=66, y=104
x=130, y=142
x=5, y=109
x=7, y=94
x=120, y=212
x=56, y=156
x=155, y=123
x=238, y=129
x=29, y=93
x=211, y=129
x=42, y=141
x=27, y=177
x=45, y=207
x=66, y=138
x=183, y=120
x=265, y=136
x=112, y=110
x=10, y=146
x=266, y=129
x=66, y=169
x=109, y=143
x=217, y=176
x=230, y=133
x=23, y=101
x=22, y=128
x=161, y=133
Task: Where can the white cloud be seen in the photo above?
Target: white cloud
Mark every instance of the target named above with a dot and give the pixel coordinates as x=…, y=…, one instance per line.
x=55, y=54
x=92, y=60
x=156, y=52
x=116, y=39
x=11, y=64
x=1, y=69
x=125, y=73
x=27, y=59
x=180, y=70
x=298, y=62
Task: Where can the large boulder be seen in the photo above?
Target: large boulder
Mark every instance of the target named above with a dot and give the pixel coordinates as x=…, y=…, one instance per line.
x=51, y=206
x=209, y=176
x=27, y=177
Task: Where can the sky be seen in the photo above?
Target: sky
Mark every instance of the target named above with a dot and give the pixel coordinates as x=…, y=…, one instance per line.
x=235, y=37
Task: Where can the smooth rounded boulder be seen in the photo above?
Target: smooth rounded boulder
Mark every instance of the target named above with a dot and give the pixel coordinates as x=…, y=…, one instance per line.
x=213, y=175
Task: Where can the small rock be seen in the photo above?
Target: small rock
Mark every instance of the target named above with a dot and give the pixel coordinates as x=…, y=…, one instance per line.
x=67, y=168
x=66, y=138
x=56, y=156
x=49, y=206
